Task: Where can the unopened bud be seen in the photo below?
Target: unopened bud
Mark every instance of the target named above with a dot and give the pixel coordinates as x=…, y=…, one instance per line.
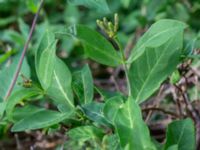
x=116, y=20
x=100, y=24
x=110, y=26
x=105, y=21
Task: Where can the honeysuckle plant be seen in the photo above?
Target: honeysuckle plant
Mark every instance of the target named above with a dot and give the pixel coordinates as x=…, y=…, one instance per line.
x=116, y=122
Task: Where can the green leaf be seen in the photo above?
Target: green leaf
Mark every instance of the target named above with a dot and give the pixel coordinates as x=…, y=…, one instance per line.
x=111, y=107
x=157, y=144
x=7, y=74
x=83, y=85
x=14, y=37
x=158, y=34
x=53, y=74
x=60, y=88
x=173, y=147
x=106, y=94
x=20, y=113
x=96, y=46
x=6, y=55
x=47, y=65
x=8, y=20
x=194, y=56
x=182, y=134
x=2, y=108
x=24, y=28
x=45, y=59
x=17, y=97
x=32, y=5
x=94, y=111
x=99, y=6
x=175, y=77
x=131, y=128
x=47, y=39
x=111, y=142
x=125, y=3
x=85, y=133
x=154, y=66
x=41, y=119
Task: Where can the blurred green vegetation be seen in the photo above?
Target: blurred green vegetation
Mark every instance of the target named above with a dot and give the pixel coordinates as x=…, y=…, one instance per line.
x=135, y=17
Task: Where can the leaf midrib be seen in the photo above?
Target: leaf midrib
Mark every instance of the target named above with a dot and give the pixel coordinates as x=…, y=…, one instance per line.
x=62, y=90
x=181, y=134
x=129, y=114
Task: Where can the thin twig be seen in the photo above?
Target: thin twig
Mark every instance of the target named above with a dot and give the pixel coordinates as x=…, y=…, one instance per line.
x=23, y=52
x=19, y=146
x=178, y=103
x=129, y=46
x=195, y=116
x=115, y=83
x=156, y=102
x=189, y=106
x=125, y=67
x=161, y=110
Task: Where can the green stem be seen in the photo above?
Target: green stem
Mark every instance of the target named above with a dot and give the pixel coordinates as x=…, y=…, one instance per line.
x=124, y=66
x=127, y=79
x=5, y=56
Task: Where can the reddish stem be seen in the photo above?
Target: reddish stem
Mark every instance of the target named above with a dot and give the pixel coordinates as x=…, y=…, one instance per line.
x=23, y=52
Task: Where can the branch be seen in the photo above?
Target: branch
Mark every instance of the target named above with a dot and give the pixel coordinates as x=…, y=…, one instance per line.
x=195, y=116
x=156, y=102
x=161, y=110
x=23, y=52
x=189, y=106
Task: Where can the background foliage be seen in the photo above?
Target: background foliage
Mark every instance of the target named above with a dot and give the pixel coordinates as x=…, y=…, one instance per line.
x=74, y=67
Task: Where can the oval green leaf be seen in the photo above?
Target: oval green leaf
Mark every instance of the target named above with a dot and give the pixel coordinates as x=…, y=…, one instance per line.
x=96, y=46
x=41, y=119
x=85, y=133
x=154, y=66
x=17, y=97
x=83, y=85
x=111, y=107
x=60, y=88
x=182, y=134
x=158, y=34
x=99, y=6
x=131, y=129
